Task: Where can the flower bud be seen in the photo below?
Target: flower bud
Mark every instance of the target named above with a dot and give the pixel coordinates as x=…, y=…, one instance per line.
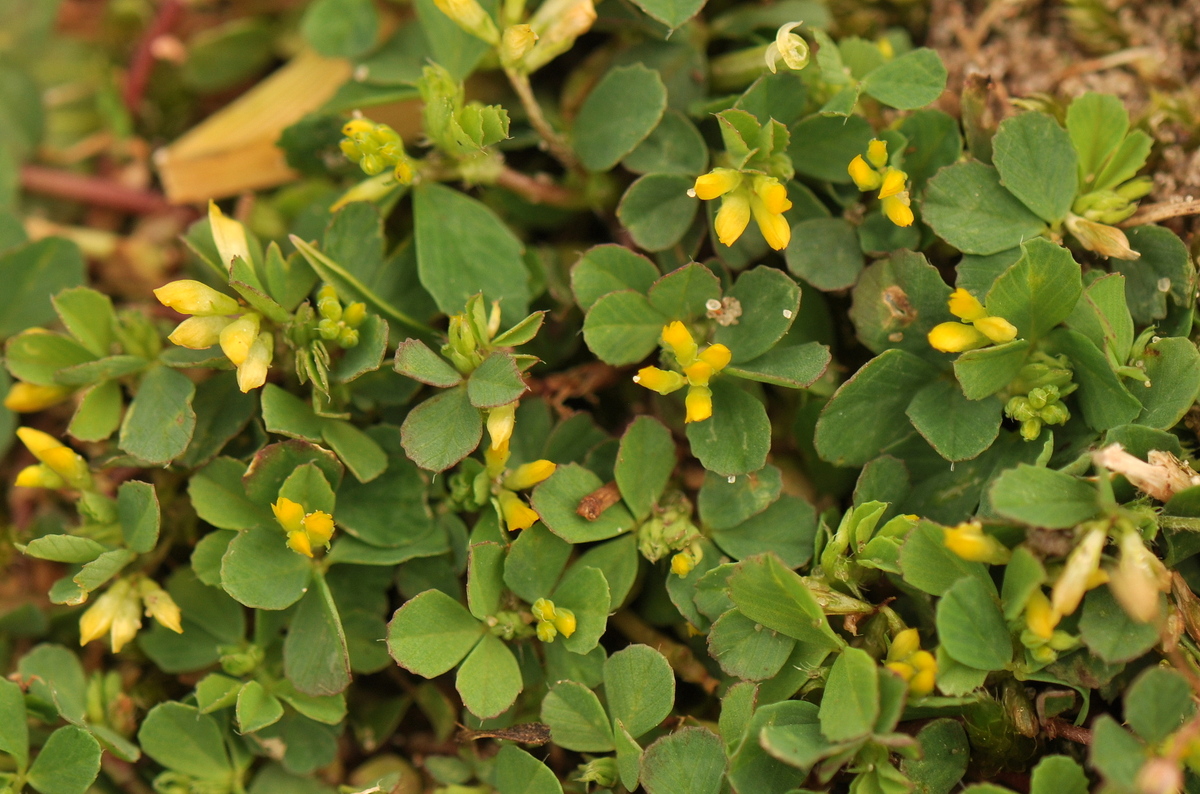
x=328, y=329
x=495, y=459
x=698, y=403
x=516, y=43
x=500, y=423
x=877, y=153
x=517, y=514
x=716, y=183
x=678, y=339
x=238, y=337
x=39, y=475
x=192, y=297
x=27, y=398
x=865, y=177
x=970, y=542
x=298, y=542
x=252, y=373
x=229, y=236
x=198, y=333
x=98, y=619
x=543, y=609
x=357, y=127
x=660, y=380
x=904, y=645
x=564, y=621
x=1136, y=188
x=328, y=305
x=348, y=338
x=1031, y=429
x=60, y=459
x=923, y=682
x=127, y=619
x=318, y=525
x=996, y=329
x=1105, y=240
x=528, y=475
x=1075, y=578
x=546, y=632
x=966, y=306
x=733, y=217
x=955, y=337
x=354, y=314
x=160, y=605
x=682, y=564
x=470, y=16
x=788, y=47
x=558, y=23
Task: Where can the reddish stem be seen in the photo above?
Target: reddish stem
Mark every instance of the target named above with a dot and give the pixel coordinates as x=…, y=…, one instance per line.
x=142, y=64
x=91, y=190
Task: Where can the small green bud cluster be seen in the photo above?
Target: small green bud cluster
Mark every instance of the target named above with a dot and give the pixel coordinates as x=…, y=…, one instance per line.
x=338, y=324
x=470, y=335
x=376, y=147
x=671, y=530
x=1042, y=406
x=470, y=487
x=238, y=660
x=1115, y=205
x=507, y=625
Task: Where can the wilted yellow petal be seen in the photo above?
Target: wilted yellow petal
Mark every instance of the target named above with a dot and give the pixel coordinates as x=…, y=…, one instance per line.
x=1040, y=617
x=517, y=514
x=500, y=423
x=193, y=297
x=198, y=333
x=528, y=475
x=229, y=236
x=965, y=305
x=252, y=372
x=237, y=337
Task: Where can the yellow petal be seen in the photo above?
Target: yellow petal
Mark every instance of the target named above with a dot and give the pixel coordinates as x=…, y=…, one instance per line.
x=893, y=183
x=1077, y=574
x=682, y=564
x=678, y=339
x=733, y=217
x=69, y=465
x=26, y=398
x=39, y=475
x=716, y=356
x=543, y=609
x=160, y=605
x=1040, y=617
x=699, y=374
x=997, y=329
x=897, y=210
x=193, y=297
x=564, y=621
x=36, y=441
x=716, y=183
x=500, y=424
x=496, y=458
x=877, y=153
x=318, y=525
x=229, y=236
x=772, y=193
x=126, y=622
x=955, y=338
x=904, y=645
x=865, y=177
x=660, y=380
x=252, y=373
x=546, y=631
x=969, y=541
x=698, y=403
x=922, y=683
x=97, y=620
x=528, y=475
x=965, y=305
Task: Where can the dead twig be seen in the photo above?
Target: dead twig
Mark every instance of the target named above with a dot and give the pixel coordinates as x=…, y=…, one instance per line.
x=1162, y=211
x=599, y=500
x=680, y=657
x=142, y=65
x=91, y=190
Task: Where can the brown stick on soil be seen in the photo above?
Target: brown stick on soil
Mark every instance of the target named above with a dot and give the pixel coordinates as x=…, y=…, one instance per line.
x=142, y=64
x=1164, y=210
x=538, y=191
x=1055, y=727
x=91, y=190
x=679, y=656
x=599, y=500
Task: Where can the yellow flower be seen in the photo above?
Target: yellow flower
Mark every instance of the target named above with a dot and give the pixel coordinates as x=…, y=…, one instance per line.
x=1040, y=617
x=923, y=682
x=60, y=459
x=772, y=193
x=682, y=564
x=865, y=177
x=954, y=337
x=354, y=314
x=679, y=340
x=904, y=645
x=516, y=42
x=117, y=613
x=496, y=458
x=733, y=217
x=543, y=609
x=774, y=227
x=318, y=525
x=969, y=541
x=500, y=424
x=160, y=605
x=252, y=372
x=198, y=333
x=238, y=337
x=897, y=209
x=893, y=183
x=660, y=380
x=528, y=475
x=966, y=306
x=517, y=514
x=716, y=356
x=717, y=183
x=26, y=398
x=699, y=374
x=470, y=16
x=299, y=543
x=546, y=632
x=698, y=403
x=355, y=127
x=39, y=475
x=877, y=152
x=564, y=621
x=289, y=514
x=997, y=329
x=1077, y=576
x=193, y=297
x=1138, y=579
x=126, y=622
x=789, y=47
x=229, y=236
x=918, y=668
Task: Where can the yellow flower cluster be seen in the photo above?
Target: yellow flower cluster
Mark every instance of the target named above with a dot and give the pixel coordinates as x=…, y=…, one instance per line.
x=304, y=530
x=118, y=613
x=742, y=196
x=210, y=323
x=917, y=667
x=59, y=466
x=969, y=541
x=552, y=620
x=698, y=368
x=516, y=513
x=874, y=173
x=977, y=329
